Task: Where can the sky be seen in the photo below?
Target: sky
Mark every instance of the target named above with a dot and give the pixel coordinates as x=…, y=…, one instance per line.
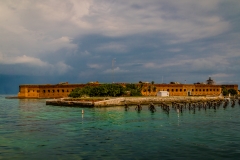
x=52, y=41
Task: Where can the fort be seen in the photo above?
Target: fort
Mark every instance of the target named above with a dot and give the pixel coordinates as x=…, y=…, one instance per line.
x=148, y=89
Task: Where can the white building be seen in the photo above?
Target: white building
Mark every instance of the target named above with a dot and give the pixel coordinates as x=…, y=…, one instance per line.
x=163, y=94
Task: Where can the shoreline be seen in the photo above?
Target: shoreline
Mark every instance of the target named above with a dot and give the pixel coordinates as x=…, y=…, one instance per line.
x=122, y=101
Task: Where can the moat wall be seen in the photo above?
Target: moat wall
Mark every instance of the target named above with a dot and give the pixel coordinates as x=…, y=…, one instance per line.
x=129, y=100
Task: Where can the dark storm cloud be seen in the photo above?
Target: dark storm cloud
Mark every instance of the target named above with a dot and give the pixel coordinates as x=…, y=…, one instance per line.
x=137, y=40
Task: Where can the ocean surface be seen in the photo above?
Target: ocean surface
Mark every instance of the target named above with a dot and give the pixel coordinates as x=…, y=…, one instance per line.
x=31, y=130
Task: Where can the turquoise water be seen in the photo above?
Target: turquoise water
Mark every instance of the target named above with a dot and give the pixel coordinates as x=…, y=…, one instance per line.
x=31, y=130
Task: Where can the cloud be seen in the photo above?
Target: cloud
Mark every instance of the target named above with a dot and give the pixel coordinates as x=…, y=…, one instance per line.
x=174, y=50
x=32, y=64
x=115, y=70
x=220, y=75
x=32, y=27
x=94, y=66
x=112, y=47
x=21, y=60
x=173, y=38
x=61, y=68
x=186, y=23
x=63, y=42
x=187, y=64
x=45, y=30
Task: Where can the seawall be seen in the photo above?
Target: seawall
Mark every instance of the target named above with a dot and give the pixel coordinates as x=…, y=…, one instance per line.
x=121, y=101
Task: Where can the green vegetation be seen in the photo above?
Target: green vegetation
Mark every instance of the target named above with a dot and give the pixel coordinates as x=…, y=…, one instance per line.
x=233, y=92
x=133, y=89
x=112, y=90
x=225, y=92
